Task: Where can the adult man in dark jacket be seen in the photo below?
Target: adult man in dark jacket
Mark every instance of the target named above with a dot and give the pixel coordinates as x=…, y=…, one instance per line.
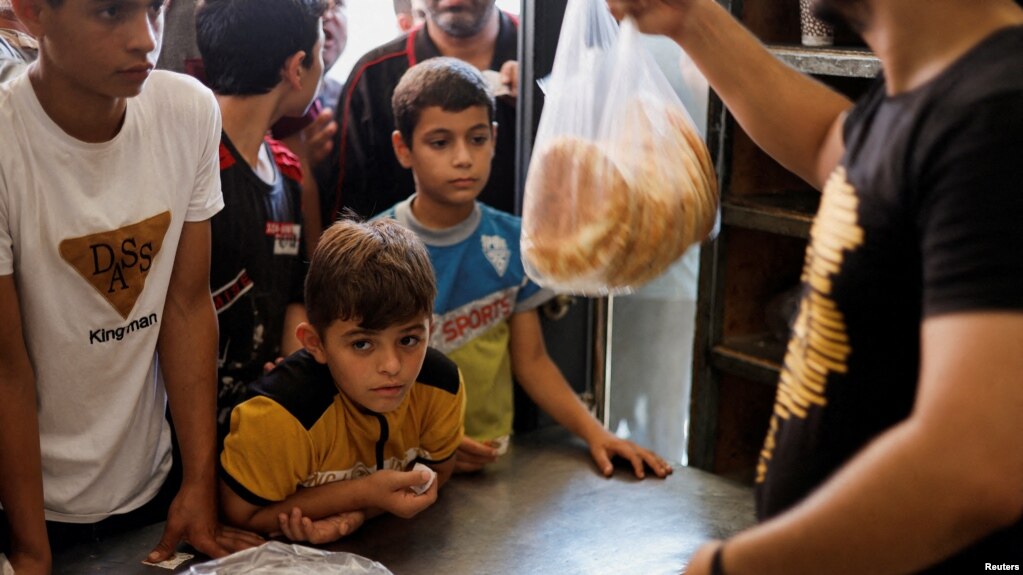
x=362, y=173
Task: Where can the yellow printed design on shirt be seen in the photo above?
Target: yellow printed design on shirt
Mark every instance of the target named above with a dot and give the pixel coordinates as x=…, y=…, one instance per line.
x=819, y=345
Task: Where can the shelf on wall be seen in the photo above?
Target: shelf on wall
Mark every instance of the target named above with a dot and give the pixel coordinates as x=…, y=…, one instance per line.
x=829, y=61
x=788, y=213
x=756, y=357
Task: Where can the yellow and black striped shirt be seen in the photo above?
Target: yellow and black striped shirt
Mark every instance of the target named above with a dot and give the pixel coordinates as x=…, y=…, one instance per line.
x=297, y=430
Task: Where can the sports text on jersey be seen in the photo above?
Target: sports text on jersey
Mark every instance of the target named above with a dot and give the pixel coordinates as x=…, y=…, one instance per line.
x=469, y=321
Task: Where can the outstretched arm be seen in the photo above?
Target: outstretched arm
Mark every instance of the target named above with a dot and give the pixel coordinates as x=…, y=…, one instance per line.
x=944, y=478
x=187, y=350
x=21, y=478
x=386, y=490
x=299, y=527
x=794, y=118
x=545, y=384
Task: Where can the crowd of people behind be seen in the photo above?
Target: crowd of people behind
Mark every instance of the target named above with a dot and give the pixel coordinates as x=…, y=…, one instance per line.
x=308, y=351
x=303, y=304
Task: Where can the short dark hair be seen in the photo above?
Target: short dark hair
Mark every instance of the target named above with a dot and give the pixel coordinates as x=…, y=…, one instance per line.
x=245, y=43
x=449, y=83
x=376, y=272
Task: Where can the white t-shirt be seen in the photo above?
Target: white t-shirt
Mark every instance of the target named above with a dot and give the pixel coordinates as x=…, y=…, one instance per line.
x=90, y=232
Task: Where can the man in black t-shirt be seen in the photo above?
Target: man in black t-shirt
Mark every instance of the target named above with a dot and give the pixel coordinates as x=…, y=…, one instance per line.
x=896, y=442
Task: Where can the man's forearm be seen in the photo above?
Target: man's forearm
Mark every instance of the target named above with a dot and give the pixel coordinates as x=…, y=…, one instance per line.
x=187, y=353
x=787, y=113
x=21, y=483
x=902, y=504
x=315, y=502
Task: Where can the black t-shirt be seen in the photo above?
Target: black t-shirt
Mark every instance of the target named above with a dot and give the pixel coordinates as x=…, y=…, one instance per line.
x=258, y=264
x=921, y=218
x=363, y=174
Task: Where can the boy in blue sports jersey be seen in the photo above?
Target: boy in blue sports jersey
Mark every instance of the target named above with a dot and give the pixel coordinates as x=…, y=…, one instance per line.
x=485, y=315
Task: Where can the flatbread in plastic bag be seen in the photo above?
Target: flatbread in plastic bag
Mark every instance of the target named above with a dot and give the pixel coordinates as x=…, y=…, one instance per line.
x=620, y=182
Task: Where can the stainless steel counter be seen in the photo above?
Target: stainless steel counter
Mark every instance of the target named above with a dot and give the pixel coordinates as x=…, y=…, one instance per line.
x=542, y=509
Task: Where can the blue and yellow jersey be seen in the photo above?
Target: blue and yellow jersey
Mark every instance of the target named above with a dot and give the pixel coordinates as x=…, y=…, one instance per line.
x=480, y=284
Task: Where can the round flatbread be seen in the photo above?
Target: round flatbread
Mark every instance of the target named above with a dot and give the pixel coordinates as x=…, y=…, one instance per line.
x=575, y=220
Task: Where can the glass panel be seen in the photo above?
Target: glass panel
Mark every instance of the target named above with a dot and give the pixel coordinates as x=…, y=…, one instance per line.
x=651, y=342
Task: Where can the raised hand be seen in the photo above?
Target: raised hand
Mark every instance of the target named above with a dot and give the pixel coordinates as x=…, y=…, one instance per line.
x=666, y=17
x=510, y=78
x=318, y=137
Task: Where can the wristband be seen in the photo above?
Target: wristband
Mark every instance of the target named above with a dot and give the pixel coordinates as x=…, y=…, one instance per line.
x=716, y=566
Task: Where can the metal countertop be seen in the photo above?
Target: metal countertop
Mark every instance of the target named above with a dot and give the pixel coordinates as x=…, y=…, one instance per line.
x=543, y=508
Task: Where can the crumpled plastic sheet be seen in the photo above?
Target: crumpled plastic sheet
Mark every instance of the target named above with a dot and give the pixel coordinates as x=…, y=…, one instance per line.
x=278, y=558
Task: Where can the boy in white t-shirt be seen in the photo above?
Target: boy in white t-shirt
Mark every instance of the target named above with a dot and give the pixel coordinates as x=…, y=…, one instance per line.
x=106, y=190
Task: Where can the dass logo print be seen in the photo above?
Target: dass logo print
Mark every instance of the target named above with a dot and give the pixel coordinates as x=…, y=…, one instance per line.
x=117, y=262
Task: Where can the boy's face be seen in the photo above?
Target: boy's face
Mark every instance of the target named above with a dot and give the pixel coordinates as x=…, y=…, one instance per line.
x=105, y=48
x=376, y=369
x=450, y=155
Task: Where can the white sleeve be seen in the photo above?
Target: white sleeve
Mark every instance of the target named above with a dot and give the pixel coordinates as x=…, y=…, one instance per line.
x=6, y=237
x=206, y=198
x=6, y=242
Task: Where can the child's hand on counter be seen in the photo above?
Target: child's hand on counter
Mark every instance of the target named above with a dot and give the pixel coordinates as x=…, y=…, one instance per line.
x=473, y=455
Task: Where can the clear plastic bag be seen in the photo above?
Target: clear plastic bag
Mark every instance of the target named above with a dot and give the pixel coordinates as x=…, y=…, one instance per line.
x=620, y=183
x=278, y=558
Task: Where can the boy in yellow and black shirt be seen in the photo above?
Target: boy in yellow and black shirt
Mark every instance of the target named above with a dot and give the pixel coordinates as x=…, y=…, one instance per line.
x=325, y=439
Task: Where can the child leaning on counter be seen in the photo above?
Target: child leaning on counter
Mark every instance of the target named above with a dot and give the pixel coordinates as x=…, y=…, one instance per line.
x=486, y=306
x=324, y=439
